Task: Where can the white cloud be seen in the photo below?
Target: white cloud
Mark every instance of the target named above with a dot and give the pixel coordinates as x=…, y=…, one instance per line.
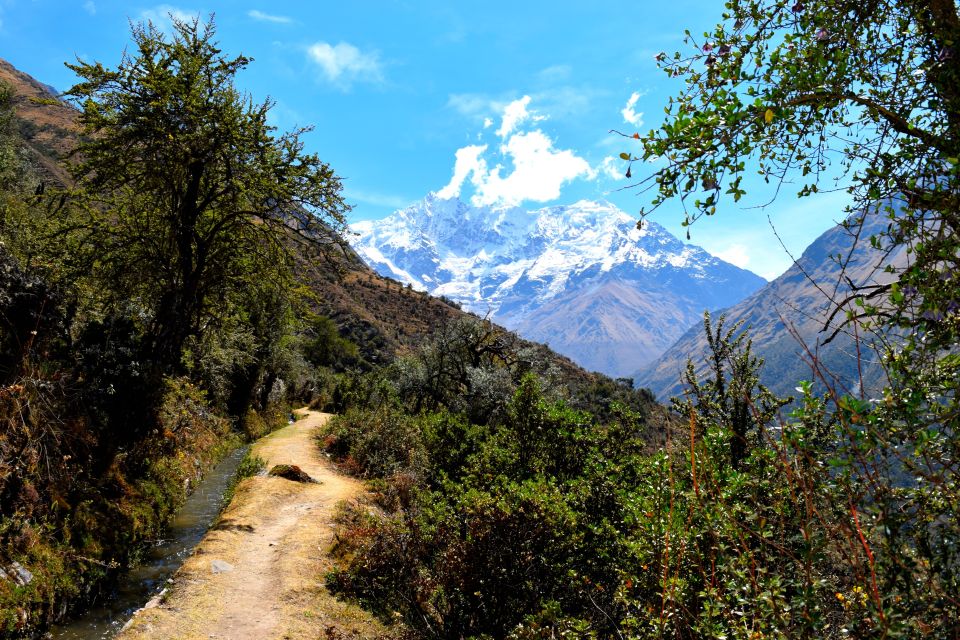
x=90, y=7
x=474, y=105
x=266, y=17
x=734, y=254
x=469, y=161
x=530, y=167
x=556, y=73
x=343, y=64
x=538, y=174
x=161, y=14
x=377, y=199
x=514, y=115
x=629, y=115
x=613, y=168
x=487, y=123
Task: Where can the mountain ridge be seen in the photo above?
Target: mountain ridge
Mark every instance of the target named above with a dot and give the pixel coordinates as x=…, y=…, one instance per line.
x=581, y=277
x=798, y=304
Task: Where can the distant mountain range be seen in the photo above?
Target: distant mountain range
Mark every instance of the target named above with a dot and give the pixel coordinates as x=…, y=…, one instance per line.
x=797, y=305
x=581, y=278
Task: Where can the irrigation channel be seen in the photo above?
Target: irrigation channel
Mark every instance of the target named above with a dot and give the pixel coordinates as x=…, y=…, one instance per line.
x=105, y=619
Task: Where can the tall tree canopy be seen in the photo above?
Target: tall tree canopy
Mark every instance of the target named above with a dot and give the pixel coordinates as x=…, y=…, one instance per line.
x=861, y=95
x=870, y=88
x=189, y=191
x=841, y=94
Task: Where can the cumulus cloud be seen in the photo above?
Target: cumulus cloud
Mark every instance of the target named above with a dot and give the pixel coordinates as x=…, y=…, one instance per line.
x=613, y=168
x=734, y=254
x=343, y=64
x=630, y=116
x=529, y=166
x=266, y=17
x=469, y=161
x=514, y=115
x=161, y=14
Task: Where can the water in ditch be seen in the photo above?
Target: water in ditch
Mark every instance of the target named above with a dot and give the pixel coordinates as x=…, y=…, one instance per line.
x=105, y=619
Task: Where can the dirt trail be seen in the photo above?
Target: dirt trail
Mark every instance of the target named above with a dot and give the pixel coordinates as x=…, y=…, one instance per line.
x=271, y=547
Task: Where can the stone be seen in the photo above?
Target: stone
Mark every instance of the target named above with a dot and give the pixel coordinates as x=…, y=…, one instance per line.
x=17, y=573
x=156, y=600
x=291, y=472
x=220, y=566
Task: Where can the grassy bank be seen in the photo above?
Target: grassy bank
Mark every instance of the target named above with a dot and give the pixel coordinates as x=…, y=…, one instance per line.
x=75, y=529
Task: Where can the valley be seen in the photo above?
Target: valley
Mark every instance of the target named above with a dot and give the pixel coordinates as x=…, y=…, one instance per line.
x=527, y=408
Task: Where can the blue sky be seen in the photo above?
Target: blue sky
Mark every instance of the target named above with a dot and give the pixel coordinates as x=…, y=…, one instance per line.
x=497, y=102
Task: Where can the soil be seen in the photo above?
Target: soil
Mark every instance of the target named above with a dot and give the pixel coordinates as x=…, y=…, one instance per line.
x=258, y=573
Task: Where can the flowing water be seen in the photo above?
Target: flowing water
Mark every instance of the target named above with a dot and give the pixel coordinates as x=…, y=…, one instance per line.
x=104, y=619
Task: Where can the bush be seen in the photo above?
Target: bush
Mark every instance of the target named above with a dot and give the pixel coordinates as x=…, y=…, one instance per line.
x=375, y=443
x=73, y=526
x=466, y=568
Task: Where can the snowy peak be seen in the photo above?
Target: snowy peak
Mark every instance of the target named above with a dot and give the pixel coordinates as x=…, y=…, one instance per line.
x=511, y=262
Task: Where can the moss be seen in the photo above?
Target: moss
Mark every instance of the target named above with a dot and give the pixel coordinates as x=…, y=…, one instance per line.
x=251, y=465
x=74, y=550
x=291, y=472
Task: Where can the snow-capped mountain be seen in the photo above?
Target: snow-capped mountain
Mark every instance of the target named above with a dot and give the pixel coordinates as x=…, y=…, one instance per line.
x=581, y=278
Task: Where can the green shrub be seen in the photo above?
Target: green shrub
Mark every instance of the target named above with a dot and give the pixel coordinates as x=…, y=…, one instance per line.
x=252, y=425
x=465, y=568
x=375, y=443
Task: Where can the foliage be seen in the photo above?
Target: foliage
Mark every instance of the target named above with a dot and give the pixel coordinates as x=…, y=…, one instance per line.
x=462, y=367
x=494, y=532
x=251, y=465
x=9, y=163
x=467, y=568
x=170, y=255
x=866, y=94
x=375, y=443
x=188, y=197
x=794, y=85
x=32, y=322
x=742, y=525
x=71, y=525
x=325, y=347
x=733, y=398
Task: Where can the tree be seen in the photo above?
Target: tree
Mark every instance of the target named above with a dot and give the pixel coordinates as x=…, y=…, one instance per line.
x=731, y=396
x=861, y=95
x=8, y=161
x=793, y=84
x=866, y=91
x=189, y=193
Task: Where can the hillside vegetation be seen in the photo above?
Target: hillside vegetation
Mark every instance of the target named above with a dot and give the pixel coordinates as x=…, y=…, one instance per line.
x=180, y=278
x=162, y=300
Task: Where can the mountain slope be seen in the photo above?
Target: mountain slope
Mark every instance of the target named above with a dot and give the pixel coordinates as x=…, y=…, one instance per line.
x=581, y=277
x=797, y=305
x=45, y=126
